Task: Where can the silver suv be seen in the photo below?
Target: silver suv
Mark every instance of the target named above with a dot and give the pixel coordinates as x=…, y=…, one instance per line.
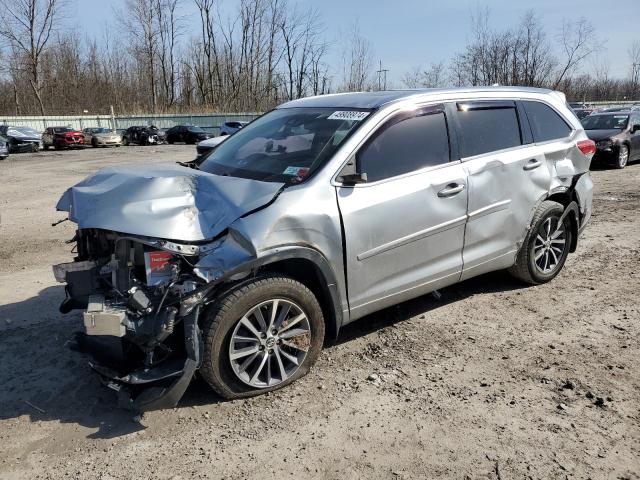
x=316, y=214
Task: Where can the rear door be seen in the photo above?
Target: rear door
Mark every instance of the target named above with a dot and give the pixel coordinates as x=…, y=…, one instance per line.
x=404, y=227
x=507, y=175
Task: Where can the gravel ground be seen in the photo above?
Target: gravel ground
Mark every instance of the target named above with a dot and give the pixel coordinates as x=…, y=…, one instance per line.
x=491, y=380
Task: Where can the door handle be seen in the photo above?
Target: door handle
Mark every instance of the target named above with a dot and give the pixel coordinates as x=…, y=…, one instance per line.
x=451, y=190
x=531, y=164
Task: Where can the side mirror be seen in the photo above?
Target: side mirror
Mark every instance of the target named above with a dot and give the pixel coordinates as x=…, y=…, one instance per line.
x=635, y=128
x=349, y=176
x=353, y=178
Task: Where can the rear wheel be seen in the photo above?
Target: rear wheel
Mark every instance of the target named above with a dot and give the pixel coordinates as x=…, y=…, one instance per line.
x=546, y=246
x=261, y=336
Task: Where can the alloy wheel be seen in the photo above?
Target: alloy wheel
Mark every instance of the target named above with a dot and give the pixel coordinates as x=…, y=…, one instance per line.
x=269, y=343
x=549, y=245
x=623, y=156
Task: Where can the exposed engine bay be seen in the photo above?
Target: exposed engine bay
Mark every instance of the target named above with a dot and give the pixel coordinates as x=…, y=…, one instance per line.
x=141, y=305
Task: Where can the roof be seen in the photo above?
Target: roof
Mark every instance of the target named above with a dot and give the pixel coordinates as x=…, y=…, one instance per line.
x=372, y=100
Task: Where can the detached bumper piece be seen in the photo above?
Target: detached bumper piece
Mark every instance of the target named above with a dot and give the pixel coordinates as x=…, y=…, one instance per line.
x=146, y=388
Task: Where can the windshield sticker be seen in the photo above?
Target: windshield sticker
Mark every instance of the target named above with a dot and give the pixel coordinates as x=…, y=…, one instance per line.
x=297, y=171
x=348, y=115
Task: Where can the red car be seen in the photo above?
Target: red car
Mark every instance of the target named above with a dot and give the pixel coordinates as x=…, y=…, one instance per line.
x=62, y=137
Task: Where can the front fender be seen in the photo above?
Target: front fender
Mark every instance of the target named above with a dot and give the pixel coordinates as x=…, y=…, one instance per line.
x=235, y=258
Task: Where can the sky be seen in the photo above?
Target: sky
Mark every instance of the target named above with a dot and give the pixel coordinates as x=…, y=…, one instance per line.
x=408, y=33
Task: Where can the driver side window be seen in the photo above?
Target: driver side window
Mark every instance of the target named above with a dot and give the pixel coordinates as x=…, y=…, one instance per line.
x=406, y=143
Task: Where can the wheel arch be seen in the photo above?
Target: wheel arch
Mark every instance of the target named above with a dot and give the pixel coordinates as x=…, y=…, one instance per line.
x=307, y=266
x=568, y=198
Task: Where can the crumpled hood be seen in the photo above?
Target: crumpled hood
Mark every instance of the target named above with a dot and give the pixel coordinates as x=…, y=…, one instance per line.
x=597, y=135
x=169, y=202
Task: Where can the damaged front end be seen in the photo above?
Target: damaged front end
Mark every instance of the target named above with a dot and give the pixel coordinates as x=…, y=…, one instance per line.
x=141, y=301
x=142, y=291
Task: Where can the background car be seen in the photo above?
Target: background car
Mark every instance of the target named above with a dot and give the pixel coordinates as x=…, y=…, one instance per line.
x=203, y=148
x=228, y=128
x=186, y=134
x=62, y=137
x=140, y=136
x=582, y=112
x=21, y=139
x=617, y=136
x=4, y=147
x=101, y=137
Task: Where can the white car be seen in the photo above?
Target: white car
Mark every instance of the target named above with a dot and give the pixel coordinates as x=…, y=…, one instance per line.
x=205, y=146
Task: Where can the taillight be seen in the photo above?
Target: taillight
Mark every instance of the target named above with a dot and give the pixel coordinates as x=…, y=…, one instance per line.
x=588, y=147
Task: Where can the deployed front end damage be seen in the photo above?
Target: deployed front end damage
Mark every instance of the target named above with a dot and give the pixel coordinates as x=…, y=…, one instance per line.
x=142, y=295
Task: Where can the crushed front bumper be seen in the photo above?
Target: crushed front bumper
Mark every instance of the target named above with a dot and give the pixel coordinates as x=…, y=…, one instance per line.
x=145, y=388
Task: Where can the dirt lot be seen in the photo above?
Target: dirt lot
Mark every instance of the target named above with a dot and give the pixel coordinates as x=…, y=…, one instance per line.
x=492, y=380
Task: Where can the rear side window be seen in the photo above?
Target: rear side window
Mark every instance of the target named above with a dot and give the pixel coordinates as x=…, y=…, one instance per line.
x=545, y=123
x=404, y=145
x=488, y=129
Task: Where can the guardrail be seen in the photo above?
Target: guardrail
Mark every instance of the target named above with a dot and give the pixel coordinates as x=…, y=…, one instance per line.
x=209, y=122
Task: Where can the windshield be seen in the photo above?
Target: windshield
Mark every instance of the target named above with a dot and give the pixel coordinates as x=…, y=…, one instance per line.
x=196, y=130
x=22, y=132
x=605, y=122
x=62, y=130
x=101, y=130
x=285, y=145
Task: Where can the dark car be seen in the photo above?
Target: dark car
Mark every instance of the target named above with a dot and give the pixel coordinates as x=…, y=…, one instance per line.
x=582, y=112
x=4, y=147
x=617, y=136
x=187, y=134
x=21, y=139
x=62, y=137
x=140, y=136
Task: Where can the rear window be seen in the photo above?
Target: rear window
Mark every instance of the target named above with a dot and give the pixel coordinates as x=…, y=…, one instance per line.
x=545, y=123
x=488, y=129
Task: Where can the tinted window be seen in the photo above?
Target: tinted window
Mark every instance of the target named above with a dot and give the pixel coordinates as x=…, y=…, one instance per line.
x=406, y=145
x=545, y=123
x=488, y=130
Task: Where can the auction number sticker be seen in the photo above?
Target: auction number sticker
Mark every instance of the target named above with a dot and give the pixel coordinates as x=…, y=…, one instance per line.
x=348, y=115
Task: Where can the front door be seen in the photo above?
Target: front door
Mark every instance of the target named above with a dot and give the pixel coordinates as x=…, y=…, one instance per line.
x=404, y=227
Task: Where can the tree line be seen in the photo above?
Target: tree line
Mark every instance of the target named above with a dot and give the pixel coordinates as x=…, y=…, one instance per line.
x=157, y=59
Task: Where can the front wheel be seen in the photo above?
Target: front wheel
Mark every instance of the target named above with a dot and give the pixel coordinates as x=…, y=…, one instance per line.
x=623, y=156
x=261, y=336
x=546, y=246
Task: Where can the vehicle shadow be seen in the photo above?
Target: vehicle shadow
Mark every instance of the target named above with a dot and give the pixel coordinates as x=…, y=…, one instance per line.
x=489, y=283
x=45, y=381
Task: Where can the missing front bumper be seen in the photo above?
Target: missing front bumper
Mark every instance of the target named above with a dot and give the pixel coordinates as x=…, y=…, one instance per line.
x=146, y=388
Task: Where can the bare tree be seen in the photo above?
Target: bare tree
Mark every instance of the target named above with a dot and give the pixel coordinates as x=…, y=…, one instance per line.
x=357, y=62
x=578, y=42
x=139, y=18
x=27, y=25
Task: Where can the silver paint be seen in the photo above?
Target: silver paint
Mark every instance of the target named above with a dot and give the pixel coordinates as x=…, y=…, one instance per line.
x=402, y=238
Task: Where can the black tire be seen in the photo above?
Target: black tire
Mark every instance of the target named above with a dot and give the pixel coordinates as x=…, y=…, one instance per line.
x=125, y=141
x=526, y=268
x=45, y=146
x=94, y=144
x=623, y=157
x=221, y=319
